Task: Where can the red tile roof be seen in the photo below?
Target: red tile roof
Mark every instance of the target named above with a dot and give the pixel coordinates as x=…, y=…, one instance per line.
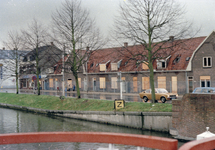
x=183, y=49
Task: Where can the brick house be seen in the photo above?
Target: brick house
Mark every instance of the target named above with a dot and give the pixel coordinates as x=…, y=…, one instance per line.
x=201, y=65
x=48, y=56
x=189, y=65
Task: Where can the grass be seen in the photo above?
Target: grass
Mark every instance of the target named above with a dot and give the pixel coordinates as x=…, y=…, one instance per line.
x=54, y=103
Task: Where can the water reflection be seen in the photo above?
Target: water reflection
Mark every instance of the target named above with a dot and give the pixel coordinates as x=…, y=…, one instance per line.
x=12, y=121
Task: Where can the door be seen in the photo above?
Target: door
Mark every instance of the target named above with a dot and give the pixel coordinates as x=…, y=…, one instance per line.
x=190, y=84
x=174, y=85
x=69, y=84
x=94, y=84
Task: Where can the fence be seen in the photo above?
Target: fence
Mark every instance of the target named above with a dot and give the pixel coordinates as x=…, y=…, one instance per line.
x=114, y=87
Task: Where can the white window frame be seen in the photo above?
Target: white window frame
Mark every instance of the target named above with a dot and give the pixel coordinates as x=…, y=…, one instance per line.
x=207, y=58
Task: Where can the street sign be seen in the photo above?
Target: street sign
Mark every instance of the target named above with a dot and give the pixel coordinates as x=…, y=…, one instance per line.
x=34, y=78
x=119, y=103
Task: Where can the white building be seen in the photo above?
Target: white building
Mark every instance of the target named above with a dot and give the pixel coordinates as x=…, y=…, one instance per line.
x=7, y=68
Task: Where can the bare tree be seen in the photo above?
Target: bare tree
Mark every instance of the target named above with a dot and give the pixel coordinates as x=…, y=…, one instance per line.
x=34, y=37
x=150, y=23
x=15, y=45
x=77, y=33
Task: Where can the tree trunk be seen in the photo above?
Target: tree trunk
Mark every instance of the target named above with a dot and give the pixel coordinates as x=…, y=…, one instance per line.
x=152, y=81
x=77, y=87
x=17, y=84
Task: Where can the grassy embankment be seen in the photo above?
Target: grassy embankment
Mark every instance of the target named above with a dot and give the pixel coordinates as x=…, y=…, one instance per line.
x=54, y=103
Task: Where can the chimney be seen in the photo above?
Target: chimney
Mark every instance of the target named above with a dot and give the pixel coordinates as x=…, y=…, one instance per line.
x=171, y=38
x=52, y=44
x=87, y=48
x=126, y=44
x=3, y=48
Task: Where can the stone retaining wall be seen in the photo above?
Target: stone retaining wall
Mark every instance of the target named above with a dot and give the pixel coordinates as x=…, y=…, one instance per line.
x=157, y=121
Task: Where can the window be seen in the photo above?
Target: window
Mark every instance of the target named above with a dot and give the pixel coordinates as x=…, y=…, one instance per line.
x=207, y=61
x=161, y=64
x=174, y=84
x=148, y=91
x=114, y=82
x=1, y=71
x=135, y=84
x=123, y=78
x=102, y=82
x=102, y=67
x=145, y=83
x=51, y=85
x=114, y=67
x=79, y=82
x=162, y=82
x=205, y=81
x=145, y=66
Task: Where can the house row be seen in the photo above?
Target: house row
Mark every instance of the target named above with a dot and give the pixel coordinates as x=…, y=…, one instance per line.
x=187, y=65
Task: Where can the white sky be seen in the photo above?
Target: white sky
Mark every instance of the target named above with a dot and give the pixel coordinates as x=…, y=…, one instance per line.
x=17, y=14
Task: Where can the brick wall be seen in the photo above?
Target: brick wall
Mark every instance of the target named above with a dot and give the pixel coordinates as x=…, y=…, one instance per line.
x=193, y=114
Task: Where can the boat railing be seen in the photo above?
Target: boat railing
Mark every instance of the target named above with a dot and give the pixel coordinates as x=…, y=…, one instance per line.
x=203, y=144
x=90, y=137
x=104, y=137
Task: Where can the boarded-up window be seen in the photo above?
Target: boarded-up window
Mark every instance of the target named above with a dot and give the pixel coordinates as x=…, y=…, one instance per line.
x=114, y=82
x=79, y=82
x=145, y=83
x=205, y=81
x=102, y=67
x=51, y=83
x=162, y=82
x=135, y=84
x=145, y=66
x=114, y=67
x=123, y=78
x=102, y=82
x=174, y=84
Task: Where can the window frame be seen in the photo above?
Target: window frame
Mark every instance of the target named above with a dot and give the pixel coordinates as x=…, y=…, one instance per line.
x=205, y=63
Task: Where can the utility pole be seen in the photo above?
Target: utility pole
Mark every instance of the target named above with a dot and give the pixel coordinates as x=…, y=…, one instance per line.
x=120, y=82
x=63, y=71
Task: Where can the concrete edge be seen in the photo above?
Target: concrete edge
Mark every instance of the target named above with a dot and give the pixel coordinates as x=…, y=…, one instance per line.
x=156, y=113
x=38, y=110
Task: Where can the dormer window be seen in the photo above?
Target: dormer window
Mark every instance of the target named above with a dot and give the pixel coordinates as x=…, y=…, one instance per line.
x=103, y=67
x=145, y=66
x=207, y=61
x=91, y=65
x=116, y=66
x=161, y=64
x=188, y=58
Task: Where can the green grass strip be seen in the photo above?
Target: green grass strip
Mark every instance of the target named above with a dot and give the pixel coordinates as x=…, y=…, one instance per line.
x=54, y=103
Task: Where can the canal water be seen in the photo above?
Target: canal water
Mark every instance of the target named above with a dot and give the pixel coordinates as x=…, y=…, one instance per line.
x=13, y=121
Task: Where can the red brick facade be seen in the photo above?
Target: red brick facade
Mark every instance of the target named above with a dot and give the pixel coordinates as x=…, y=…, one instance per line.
x=193, y=114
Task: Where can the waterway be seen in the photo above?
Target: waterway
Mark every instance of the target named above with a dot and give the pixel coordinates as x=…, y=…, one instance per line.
x=13, y=121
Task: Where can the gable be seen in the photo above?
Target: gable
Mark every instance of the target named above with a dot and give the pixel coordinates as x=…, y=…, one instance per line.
x=189, y=67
